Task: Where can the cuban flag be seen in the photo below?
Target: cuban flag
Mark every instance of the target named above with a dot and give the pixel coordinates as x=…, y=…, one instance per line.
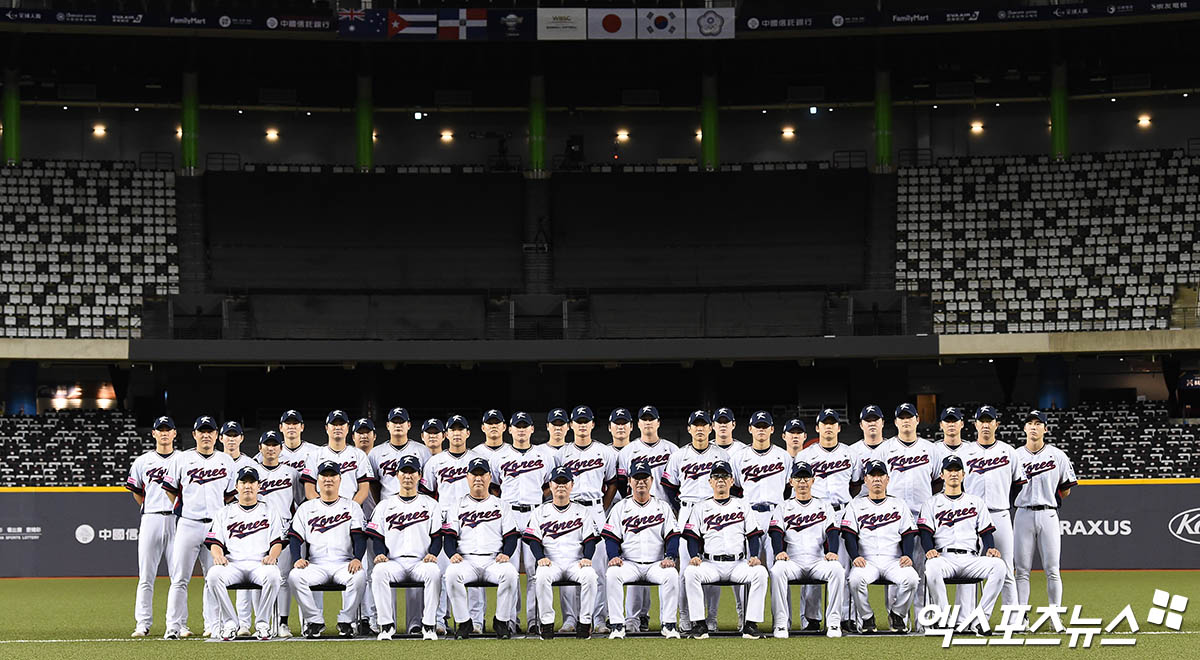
x=460, y=24
x=414, y=24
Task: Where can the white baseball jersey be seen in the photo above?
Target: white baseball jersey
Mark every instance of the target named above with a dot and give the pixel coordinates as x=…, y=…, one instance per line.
x=406, y=525
x=912, y=470
x=445, y=477
x=803, y=525
x=327, y=528
x=356, y=469
x=296, y=458
x=244, y=461
x=200, y=483
x=246, y=534
x=146, y=479
x=688, y=471
x=642, y=529
x=763, y=475
x=955, y=522
x=281, y=488
x=479, y=525
x=879, y=526
x=493, y=455
x=991, y=470
x=385, y=464
x=594, y=466
x=656, y=454
x=833, y=471
x=522, y=474
x=863, y=453
x=722, y=526
x=734, y=448
x=562, y=531
x=1046, y=472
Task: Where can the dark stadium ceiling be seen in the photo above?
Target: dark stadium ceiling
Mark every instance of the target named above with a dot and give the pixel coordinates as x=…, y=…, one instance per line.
x=81, y=68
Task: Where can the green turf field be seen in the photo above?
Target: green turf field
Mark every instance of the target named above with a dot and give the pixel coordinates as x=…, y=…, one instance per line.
x=91, y=610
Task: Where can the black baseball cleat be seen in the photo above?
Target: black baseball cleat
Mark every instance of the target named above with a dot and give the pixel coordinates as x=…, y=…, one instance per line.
x=644, y=623
x=363, y=628
x=867, y=626
x=532, y=631
x=811, y=625
x=502, y=630
x=897, y=623
x=699, y=630
x=547, y=630
x=313, y=630
x=386, y=631
x=850, y=626
x=583, y=631
x=750, y=631
x=345, y=629
x=464, y=630
x=415, y=630
x=979, y=630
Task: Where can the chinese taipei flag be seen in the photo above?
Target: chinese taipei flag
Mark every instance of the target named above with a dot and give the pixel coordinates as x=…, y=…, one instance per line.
x=460, y=24
x=612, y=24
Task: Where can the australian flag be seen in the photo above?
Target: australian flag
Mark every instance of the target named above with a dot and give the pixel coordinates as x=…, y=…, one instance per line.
x=362, y=24
x=460, y=24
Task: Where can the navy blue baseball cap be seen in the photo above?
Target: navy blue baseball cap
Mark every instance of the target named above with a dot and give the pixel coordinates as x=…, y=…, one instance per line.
x=699, y=417
x=648, y=412
x=247, y=474
x=521, y=419
x=986, y=412
x=457, y=420
x=870, y=411
x=582, y=414
x=337, y=417
x=555, y=416
x=724, y=414
x=329, y=467
x=562, y=472
x=204, y=422
x=478, y=463
x=433, y=425
x=1036, y=414
x=364, y=423
x=906, y=409
x=802, y=470
x=794, y=425
x=410, y=462
x=641, y=468
x=291, y=416
x=824, y=416
x=875, y=466
x=398, y=414
x=721, y=467
x=619, y=416
x=271, y=437
x=493, y=416
x=761, y=418
x=231, y=428
x=952, y=462
x=163, y=422
x=952, y=414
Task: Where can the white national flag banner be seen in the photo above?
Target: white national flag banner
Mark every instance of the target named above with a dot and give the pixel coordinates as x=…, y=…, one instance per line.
x=612, y=24
x=717, y=23
x=661, y=24
x=561, y=24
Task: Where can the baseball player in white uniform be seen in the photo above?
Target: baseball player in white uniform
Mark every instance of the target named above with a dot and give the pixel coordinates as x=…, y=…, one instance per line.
x=870, y=420
x=480, y=538
x=231, y=436
x=620, y=428
x=331, y=525
x=794, y=435
x=295, y=451
x=356, y=469
x=879, y=531
x=199, y=483
x=406, y=537
x=952, y=445
x=245, y=541
x=723, y=426
x=363, y=433
x=522, y=478
x=563, y=536
x=719, y=531
x=494, y=449
x=557, y=425
x=279, y=486
x=954, y=526
x=1049, y=478
x=805, y=535
x=992, y=475
x=686, y=481
x=156, y=532
x=642, y=542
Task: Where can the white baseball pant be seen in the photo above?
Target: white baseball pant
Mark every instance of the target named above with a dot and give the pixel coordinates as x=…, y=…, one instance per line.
x=217, y=582
x=188, y=545
x=964, y=596
x=475, y=568
x=476, y=599
x=528, y=566
x=569, y=596
x=1040, y=530
x=904, y=578
x=829, y=572
x=667, y=580
x=302, y=579
x=712, y=594
x=156, y=535
x=696, y=577
x=406, y=569
x=954, y=565
x=585, y=576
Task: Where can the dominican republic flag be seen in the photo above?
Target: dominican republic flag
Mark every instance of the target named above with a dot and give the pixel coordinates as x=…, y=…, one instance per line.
x=612, y=24
x=414, y=24
x=459, y=24
x=664, y=24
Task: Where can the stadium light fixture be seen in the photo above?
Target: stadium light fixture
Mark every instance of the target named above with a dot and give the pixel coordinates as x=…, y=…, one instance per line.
x=239, y=111
x=447, y=136
x=788, y=132
x=1144, y=121
x=764, y=112
x=272, y=134
x=374, y=136
x=137, y=109
x=1185, y=95
x=622, y=135
x=99, y=130
x=997, y=105
x=178, y=131
x=935, y=106
x=418, y=116
x=64, y=107
x=812, y=109
x=308, y=113
x=699, y=135
x=1113, y=99
x=976, y=127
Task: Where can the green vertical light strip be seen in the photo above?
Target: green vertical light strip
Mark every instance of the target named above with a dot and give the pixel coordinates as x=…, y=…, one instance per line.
x=708, y=123
x=364, y=125
x=189, y=124
x=883, y=121
x=12, y=116
x=1058, y=112
x=537, y=123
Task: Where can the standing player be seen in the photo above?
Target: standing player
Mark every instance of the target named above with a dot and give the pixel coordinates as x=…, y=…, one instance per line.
x=199, y=482
x=245, y=541
x=686, y=482
x=870, y=420
x=718, y=532
x=332, y=527
x=992, y=474
x=804, y=536
x=493, y=448
x=280, y=487
x=562, y=535
x=953, y=525
x=480, y=538
x=231, y=436
x=1049, y=478
x=620, y=425
x=295, y=451
x=356, y=471
x=723, y=426
x=594, y=467
x=433, y=434
x=156, y=532
x=406, y=535
x=794, y=436
x=761, y=471
x=642, y=539
x=556, y=426
x=363, y=432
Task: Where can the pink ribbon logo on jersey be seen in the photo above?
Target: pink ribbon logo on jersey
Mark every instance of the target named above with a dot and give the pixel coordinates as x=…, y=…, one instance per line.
x=269, y=486
x=578, y=467
x=635, y=524
x=1034, y=469
x=760, y=472
x=325, y=523
x=400, y=520
x=476, y=518
x=801, y=521
x=905, y=463
x=719, y=521
x=556, y=528
x=877, y=520
x=696, y=470
x=240, y=530
x=205, y=475
x=516, y=468
x=981, y=465
x=951, y=516
x=823, y=469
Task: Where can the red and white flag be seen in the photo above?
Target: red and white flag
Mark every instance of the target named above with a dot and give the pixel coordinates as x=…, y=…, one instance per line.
x=612, y=24
x=457, y=24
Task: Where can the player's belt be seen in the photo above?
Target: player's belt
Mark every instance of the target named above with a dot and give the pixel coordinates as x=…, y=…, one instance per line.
x=206, y=521
x=722, y=557
x=588, y=502
x=998, y=510
x=955, y=551
x=762, y=507
x=523, y=508
x=157, y=513
x=1039, y=507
